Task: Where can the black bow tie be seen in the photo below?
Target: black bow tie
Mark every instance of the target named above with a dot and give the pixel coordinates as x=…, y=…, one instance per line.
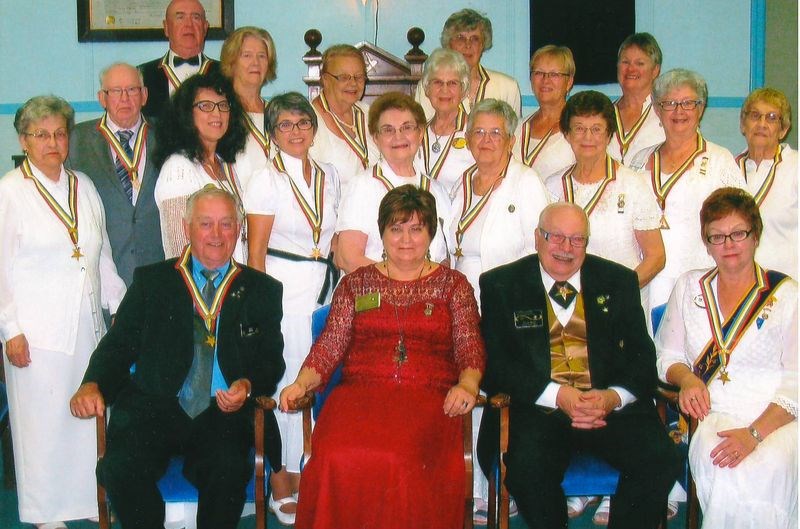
x=191, y=61
x=563, y=293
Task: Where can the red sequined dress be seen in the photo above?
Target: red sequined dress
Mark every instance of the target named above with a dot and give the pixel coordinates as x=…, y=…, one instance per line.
x=384, y=453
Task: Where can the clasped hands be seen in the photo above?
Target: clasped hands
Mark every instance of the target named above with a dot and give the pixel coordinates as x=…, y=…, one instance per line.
x=587, y=409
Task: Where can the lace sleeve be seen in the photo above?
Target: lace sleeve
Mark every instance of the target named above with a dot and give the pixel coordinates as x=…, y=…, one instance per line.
x=329, y=349
x=171, y=213
x=468, y=345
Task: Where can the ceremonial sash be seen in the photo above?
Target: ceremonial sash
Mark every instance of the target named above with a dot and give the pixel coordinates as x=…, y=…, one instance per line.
x=662, y=189
x=377, y=174
x=484, y=75
x=434, y=169
x=624, y=139
x=172, y=77
x=527, y=135
x=569, y=192
x=68, y=218
x=358, y=144
x=262, y=138
x=312, y=214
x=469, y=212
x=725, y=338
x=207, y=313
x=130, y=165
x=761, y=194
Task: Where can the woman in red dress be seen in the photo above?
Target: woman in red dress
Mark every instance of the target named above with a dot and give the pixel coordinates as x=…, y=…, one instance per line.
x=388, y=449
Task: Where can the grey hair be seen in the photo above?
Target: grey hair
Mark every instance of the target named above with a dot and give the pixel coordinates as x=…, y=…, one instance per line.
x=467, y=20
x=676, y=78
x=497, y=108
x=551, y=208
x=41, y=107
x=212, y=191
x=104, y=72
x=445, y=59
x=293, y=102
x=645, y=42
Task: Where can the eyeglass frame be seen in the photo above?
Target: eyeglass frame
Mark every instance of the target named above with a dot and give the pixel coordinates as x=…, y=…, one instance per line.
x=558, y=239
x=495, y=135
x=216, y=106
x=726, y=236
x=346, y=77
x=595, y=132
x=42, y=135
x=548, y=75
x=675, y=104
x=130, y=91
x=754, y=116
x=307, y=124
x=390, y=131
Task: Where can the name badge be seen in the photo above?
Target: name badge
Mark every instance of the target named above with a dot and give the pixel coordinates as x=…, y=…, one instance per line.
x=369, y=301
x=528, y=319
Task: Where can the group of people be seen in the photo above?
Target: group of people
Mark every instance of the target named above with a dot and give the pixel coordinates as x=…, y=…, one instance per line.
x=479, y=251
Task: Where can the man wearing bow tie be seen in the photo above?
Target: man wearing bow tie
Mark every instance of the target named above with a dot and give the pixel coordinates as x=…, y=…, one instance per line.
x=185, y=26
x=203, y=333
x=566, y=339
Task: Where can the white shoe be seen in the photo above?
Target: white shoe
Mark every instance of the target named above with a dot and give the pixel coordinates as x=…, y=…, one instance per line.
x=284, y=518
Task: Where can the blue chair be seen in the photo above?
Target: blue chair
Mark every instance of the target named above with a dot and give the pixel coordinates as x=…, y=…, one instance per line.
x=175, y=488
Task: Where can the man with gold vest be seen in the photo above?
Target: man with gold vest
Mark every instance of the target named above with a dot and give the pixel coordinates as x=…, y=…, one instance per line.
x=566, y=339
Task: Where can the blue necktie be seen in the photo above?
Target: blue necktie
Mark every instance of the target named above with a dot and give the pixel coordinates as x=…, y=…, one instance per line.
x=122, y=173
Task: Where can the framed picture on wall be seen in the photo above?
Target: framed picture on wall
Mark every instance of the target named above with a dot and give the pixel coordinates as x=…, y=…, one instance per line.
x=142, y=20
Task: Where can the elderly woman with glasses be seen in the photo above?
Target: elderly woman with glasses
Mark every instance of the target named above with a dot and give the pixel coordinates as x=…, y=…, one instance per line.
x=396, y=123
x=199, y=137
x=470, y=33
x=495, y=206
x=729, y=342
x=56, y=277
x=540, y=143
x=445, y=79
x=343, y=138
x=683, y=171
x=291, y=214
x=638, y=129
x=770, y=169
x=249, y=60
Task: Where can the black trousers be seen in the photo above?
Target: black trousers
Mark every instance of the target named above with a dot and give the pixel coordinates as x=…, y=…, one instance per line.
x=145, y=432
x=637, y=445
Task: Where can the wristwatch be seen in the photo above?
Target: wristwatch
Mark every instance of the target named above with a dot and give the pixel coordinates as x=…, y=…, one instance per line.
x=755, y=434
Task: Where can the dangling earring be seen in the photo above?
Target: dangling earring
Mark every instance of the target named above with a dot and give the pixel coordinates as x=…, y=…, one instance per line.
x=428, y=254
x=383, y=255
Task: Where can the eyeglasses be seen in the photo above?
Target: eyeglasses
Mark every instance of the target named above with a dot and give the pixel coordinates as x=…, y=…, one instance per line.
x=288, y=126
x=736, y=236
x=390, y=131
x=209, y=106
x=755, y=116
x=43, y=135
x=576, y=241
x=346, y=77
x=439, y=84
x=494, y=135
x=538, y=74
x=473, y=40
x=686, y=104
x=131, y=91
x=580, y=130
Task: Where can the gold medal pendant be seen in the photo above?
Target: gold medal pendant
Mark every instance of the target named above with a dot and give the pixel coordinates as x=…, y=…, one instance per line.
x=459, y=253
x=76, y=252
x=316, y=253
x=723, y=376
x=210, y=340
x=663, y=225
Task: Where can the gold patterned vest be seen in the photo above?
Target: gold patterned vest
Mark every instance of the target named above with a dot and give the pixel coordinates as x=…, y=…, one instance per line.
x=569, y=354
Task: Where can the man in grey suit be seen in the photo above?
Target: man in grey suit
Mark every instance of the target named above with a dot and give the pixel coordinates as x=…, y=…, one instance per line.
x=116, y=152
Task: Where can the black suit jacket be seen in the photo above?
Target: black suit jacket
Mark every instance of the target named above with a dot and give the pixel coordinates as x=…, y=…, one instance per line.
x=621, y=352
x=134, y=231
x=154, y=330
x=158, y=86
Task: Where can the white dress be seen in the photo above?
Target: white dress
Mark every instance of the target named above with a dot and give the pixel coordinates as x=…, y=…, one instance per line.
x=641, y=142
x=361, y=199
x=270, y=193
x=56, y=301
x=330, y=148
x=554, y=156
x=178, y=179
x=761, y=491
x=253, y=158
x=626, y=206
x=777, y=249
x=683, y=244
x=498, y=86
x=458, y=158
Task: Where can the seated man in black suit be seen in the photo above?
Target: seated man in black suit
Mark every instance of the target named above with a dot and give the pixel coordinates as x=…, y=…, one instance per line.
x=204, y=334
x=566, y=339
x=185, y=26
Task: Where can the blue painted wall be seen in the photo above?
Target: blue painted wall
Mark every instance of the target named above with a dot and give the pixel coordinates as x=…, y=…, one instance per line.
x=41, y=54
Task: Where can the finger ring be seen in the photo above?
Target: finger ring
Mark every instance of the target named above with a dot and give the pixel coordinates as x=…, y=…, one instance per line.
x=736, y=454
x=466, y=404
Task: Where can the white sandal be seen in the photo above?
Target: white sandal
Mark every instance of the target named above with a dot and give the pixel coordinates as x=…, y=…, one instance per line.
x=603, y=512
x=577, y=504
x=284, y=518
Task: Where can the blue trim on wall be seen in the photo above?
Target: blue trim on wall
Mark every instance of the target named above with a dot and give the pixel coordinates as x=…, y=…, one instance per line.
x=713, y=102
x=9, y=109
x=758, y=45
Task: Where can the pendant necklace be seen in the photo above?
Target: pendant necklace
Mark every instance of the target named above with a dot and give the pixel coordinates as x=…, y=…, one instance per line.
x=436, y=147
x=400, y=349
